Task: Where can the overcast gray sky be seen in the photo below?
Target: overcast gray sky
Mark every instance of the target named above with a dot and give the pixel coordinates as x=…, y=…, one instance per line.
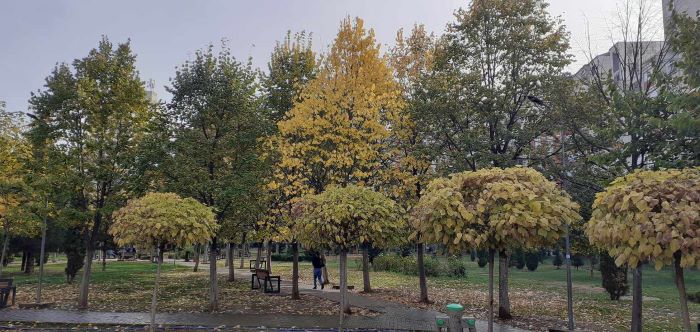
x=35, y=35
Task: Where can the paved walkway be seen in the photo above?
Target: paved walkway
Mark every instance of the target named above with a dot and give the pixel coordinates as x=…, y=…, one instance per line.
x=394, y=316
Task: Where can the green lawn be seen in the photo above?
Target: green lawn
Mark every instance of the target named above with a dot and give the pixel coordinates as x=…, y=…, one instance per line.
x=128, y=286
x=534, y=295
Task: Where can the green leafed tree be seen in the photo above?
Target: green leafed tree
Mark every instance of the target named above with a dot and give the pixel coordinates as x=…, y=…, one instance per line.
x=410, y=151
x=214, y=156
x=160, y=219
x=477, y=97
x=292, y=64
x=95, y=114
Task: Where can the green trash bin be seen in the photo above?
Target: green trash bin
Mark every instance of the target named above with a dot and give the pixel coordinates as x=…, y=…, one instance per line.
x=454, y=311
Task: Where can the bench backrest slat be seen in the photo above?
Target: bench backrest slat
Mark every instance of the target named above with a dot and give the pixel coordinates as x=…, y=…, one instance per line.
x=262, y=274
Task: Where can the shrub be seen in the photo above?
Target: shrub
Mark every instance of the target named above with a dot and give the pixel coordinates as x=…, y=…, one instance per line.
x=455, y=267
x=281, y=257
x=409, y=266
x=483, y=260
x=577, y=261
x=532, y=260
x=75, y=252
x=518, y=259
x=614, y=277
x=694, y=297
x=288, y=257
x=558, y=260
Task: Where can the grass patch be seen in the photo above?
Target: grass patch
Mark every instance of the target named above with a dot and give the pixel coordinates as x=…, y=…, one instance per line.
x=535, y=296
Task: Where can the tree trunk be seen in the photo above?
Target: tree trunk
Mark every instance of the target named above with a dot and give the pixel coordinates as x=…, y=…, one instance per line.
x=24, y=260
x=503, y=299
x=637, y=299
x=365, y=269
x=42, y=252
x=324, y=272
x=592, y=260
x=85, y=282
x=491, y=259
x=268, y=254
x=6, y=239
x=420, y=248
x=344, y=303
x=154, y=299
x=295, y=270
x=104, y=258
x=682, y=295
x=229, y=262
x=242, y=253
x=258, y=256
x=197, y=248
x=29, y=264
x=213, y=283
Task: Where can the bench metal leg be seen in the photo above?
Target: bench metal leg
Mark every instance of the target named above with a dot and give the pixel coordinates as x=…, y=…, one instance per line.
x=253, y=279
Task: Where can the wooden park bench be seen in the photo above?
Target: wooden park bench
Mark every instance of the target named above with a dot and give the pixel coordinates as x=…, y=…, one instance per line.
x=267, y=281
x=262, y=265
x=6, y=288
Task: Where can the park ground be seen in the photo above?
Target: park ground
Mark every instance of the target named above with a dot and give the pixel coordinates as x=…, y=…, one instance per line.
x=538, y=298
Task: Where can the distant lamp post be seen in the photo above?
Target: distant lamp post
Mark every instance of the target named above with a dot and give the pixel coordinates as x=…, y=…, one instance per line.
x=567, y=246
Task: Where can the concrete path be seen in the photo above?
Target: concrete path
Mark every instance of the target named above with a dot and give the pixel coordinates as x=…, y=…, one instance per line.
x=393, y=316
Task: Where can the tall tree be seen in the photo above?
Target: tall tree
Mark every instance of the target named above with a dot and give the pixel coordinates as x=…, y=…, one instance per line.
x=13, y=151
x=218, y=120
x=636, y=129
x=480, y=89
x=337, y=133
x=292, y=65
x=97, y=114
x=410, y=151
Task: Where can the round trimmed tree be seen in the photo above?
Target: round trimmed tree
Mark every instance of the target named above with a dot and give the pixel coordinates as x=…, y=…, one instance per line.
x=651, y=216
x=494, y=209
x=342, y=218
x=158, y=219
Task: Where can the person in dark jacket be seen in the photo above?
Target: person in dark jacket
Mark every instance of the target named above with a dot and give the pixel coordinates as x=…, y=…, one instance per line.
x=318, y=262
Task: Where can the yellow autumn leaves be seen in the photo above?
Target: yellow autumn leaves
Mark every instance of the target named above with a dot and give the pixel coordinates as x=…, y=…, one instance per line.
x=649, y=216
x=346, y=217
x=163, y=218
x=335, y=134
x=494, y=209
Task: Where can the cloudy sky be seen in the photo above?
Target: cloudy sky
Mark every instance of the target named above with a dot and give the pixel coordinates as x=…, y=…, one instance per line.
x=35, y=35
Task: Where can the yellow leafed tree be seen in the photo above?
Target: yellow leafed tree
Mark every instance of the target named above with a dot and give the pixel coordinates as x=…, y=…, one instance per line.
x=159, y=219
x=13, y=148
x=651, y=216
x=335, y=135
x=494, y=209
